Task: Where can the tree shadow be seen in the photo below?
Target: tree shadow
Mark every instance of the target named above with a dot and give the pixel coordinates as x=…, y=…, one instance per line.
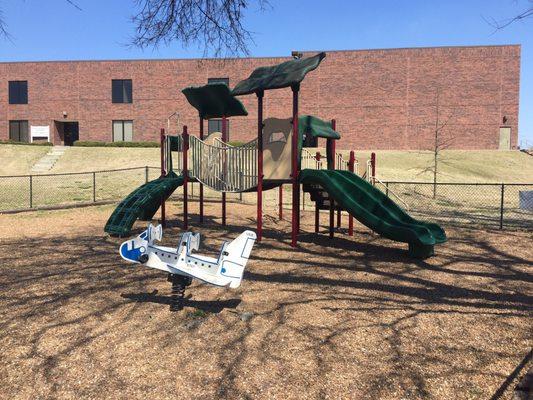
x=211, y=306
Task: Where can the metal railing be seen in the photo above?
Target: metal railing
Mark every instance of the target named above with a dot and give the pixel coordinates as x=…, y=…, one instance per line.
x=310, y=160
x=223, y=167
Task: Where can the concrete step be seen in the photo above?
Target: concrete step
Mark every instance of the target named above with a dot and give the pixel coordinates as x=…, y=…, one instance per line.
x=47, y=162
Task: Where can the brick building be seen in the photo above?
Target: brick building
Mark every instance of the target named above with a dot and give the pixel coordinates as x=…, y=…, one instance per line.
x=381, y=99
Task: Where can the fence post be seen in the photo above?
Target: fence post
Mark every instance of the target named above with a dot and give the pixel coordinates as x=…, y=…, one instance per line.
x=94, y=187
x=31, y=191
x=501, y=206
x=146, y=174
x=387, y=189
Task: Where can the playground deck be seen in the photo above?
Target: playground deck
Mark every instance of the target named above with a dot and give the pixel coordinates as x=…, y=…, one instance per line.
x=354, y=319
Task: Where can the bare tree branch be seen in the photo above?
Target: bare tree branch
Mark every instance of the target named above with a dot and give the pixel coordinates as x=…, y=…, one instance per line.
x=74, y=4
x=501, y=24
x=3, y=25
x=216, y=26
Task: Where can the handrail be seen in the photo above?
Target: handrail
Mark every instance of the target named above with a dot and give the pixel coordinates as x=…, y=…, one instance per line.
x=376, y=179
x=340, y=163
x=251, y=143
x=308, y=159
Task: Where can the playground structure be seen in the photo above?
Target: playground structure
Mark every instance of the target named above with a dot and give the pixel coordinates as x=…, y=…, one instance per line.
x=273, y=159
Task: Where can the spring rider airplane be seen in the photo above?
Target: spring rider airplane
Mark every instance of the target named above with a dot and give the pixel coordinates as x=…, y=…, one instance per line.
x=182, y=265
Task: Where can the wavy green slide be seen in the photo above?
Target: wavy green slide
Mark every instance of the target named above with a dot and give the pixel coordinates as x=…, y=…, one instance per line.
x=377, y=211
x=142, y=203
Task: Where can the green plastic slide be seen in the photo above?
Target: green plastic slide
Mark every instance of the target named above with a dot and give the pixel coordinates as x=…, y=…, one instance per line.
x=142, y=203
x=377, y=211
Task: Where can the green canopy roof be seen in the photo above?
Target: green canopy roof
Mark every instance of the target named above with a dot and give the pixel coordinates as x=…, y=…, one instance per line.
x=316, y=127
x=214, y=100
x=278, y=76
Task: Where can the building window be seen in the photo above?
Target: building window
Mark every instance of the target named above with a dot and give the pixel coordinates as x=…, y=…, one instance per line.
x=18, y=92
x=18, y=131
x=218, y=80
x=122, y=131
x=215, y=125
x=121, y=91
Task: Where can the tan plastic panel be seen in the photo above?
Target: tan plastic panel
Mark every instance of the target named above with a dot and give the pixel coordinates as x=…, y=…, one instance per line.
x=277, y=136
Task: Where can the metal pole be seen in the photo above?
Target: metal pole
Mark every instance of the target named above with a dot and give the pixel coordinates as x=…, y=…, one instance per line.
x=260, y=95
x=163, y=219
x=373, y=166
x=201, y=185
x=241, y=176
x=295, y=184
x=280, y=202
x=94, y=187
x=331, y=165
x=185, y=177
x=351, y=167
x=387, y=189
x=146, y=174
x=224, y=139
x=501, y=206
x=317, y=210
x=31, y=191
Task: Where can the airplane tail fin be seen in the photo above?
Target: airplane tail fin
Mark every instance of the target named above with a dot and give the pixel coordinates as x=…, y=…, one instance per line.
x=154, y=233
x=236, y=256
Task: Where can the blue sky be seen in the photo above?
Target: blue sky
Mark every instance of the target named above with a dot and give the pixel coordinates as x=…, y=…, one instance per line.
x=54, y=30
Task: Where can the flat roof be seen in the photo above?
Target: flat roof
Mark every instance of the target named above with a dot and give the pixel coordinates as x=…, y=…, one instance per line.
x=264, y=57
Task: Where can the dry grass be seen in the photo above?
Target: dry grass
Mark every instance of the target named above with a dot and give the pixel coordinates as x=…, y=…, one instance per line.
x=348, y=318
x=456, y=165
x=18, y=159
x=81, y=159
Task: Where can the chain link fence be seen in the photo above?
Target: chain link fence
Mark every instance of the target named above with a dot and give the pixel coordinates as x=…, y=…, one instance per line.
x=488, y=204
x=56, y=190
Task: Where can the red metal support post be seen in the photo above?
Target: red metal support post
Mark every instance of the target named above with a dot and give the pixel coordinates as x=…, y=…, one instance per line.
x=295, y=184
x=185, y=136
x=163, y=173
x=373, y=166
x=201, y=185
x=224, y=139
x=351, y=168
x=260, y=95
x=331, y=165
x=317, y=210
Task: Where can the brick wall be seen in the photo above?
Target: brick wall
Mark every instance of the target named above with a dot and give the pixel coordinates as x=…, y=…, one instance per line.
x=382, y=99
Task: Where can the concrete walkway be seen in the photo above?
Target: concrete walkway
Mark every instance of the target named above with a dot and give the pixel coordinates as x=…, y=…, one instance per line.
x=47, y=162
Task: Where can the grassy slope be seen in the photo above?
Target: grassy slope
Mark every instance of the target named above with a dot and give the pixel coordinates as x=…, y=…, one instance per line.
x=18, y=159
x=461, y=166
x=455, y=166
x=82, y=159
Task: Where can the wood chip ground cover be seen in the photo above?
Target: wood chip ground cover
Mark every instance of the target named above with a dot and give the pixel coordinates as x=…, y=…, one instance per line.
x=348, y=318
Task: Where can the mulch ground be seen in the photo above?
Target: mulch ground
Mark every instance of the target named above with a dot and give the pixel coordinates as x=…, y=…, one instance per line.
x=348, y=318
